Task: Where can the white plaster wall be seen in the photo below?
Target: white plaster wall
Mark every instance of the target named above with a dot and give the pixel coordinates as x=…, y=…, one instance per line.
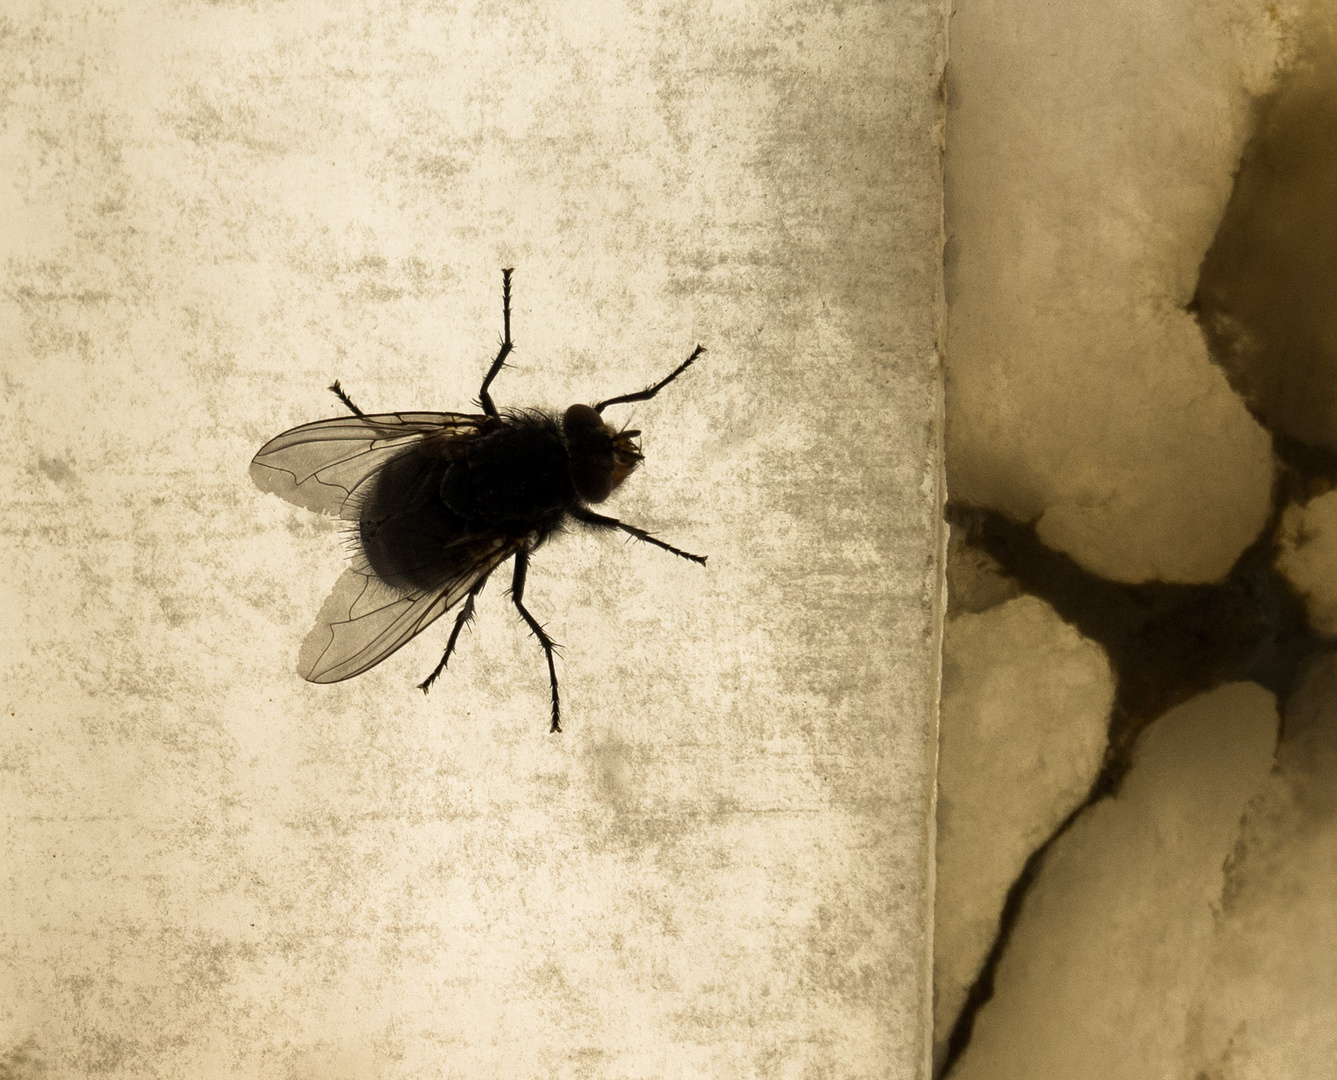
x=722, y=868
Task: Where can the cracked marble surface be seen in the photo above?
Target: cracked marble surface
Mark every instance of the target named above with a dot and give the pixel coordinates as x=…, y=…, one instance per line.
x=1170, y=925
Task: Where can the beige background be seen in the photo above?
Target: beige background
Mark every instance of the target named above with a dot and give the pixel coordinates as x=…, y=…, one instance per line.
x=721, y=868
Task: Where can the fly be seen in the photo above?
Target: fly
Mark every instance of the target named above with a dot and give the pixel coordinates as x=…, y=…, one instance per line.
x=437, y=501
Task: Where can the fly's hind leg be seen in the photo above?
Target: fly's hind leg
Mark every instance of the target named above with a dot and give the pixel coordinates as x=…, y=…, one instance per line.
x=461, y=621
x=549, y=646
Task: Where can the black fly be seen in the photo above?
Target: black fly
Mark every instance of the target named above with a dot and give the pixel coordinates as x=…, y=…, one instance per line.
x=437, y=501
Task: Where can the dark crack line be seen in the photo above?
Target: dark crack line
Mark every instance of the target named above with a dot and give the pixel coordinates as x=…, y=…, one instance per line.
x=981, y=990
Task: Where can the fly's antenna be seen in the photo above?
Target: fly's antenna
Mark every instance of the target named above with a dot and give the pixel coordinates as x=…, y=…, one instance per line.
x=626, y=428
x=651, y=391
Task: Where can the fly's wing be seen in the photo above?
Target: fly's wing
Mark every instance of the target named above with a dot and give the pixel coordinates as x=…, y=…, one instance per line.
x=319, y=466
x=365, y=620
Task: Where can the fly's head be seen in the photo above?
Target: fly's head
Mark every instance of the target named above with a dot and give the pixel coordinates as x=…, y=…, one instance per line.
x=601, y=456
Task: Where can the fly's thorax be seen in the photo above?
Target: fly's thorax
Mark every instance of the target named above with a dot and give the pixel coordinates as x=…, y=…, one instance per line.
x=601, y=457
x=514, y=478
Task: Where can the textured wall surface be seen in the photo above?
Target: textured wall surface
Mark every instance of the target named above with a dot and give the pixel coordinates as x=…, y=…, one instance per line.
x=721, y=868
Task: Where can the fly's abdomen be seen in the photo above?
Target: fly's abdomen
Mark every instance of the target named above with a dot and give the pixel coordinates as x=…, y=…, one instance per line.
x=408, y=536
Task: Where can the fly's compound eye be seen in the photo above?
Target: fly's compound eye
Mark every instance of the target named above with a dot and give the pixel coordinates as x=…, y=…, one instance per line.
x=600, y=457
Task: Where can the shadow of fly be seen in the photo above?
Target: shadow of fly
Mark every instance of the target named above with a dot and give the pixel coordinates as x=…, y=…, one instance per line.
x=436, y=501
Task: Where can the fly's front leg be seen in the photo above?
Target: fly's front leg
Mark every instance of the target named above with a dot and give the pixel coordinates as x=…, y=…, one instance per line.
x=651, y=391
x=517, y=595
x=484, y=398
x=602, y=521
x=461, y=621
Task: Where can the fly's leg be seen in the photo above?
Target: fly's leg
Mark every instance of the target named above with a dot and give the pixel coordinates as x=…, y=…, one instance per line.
x=517, y=595
x=651, y=391
x=338, y=392
x=461, y=621
x=484, y=398
x=600, y=521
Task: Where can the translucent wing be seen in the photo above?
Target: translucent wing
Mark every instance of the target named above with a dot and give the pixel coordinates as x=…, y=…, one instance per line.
x=365, y=620
x=319, y=466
